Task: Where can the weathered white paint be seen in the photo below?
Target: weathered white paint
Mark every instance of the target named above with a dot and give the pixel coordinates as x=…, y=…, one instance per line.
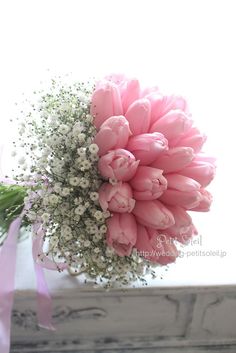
x=159, y=318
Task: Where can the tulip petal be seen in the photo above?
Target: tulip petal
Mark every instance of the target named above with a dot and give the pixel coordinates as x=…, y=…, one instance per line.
x=105, y=139
x=106, y=102
x=187, y=200
x=172, y=125
x=138, y=116
x=174, y=159
x=181, y=183
x=153, y=214
x=193, y=139
x=130, y=93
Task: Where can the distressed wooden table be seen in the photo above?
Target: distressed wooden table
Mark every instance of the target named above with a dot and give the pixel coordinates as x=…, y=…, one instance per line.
x=193, y=309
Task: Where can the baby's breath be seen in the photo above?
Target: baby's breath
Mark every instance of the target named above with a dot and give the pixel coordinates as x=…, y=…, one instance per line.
x=58, y=135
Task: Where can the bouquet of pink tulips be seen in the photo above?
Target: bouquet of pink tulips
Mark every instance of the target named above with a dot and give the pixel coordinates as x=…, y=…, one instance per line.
x=106, y=176
x=114, y=169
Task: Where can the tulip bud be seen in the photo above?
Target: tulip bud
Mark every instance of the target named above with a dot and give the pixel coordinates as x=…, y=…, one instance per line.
x=174, y=159
x=200, y=170
x=158, y=248
x=205, y=203
x=138, y=116
x=172, y=125
x=113, y=133
x=183, y=229
x=153, y=214
x=106, y=102
x=193, y=139
x=148, y=183
x=147, y=147
x=121, y=233
x=116, y=198
x=118, y=164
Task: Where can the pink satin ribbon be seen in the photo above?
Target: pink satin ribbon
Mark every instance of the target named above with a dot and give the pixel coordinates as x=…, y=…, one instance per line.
x=44, y=302
x=7, y=281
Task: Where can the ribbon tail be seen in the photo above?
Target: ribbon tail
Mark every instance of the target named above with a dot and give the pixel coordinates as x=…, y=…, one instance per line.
x=7, y=283
x=44, y=301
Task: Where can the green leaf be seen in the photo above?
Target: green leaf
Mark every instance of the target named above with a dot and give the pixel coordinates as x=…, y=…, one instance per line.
x=11, y=206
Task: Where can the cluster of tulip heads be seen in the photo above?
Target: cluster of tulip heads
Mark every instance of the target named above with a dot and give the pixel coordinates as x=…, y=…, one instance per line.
x=153, y=168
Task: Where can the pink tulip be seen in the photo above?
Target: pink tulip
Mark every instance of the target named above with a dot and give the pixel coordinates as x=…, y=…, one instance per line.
x=148, y=183
x=116, y=198
x=118, y=164
x=185, y=199
x=205, y=203
x=155, y=247
x=147, y=147
x=174, y=159
x=153, y=214
x=183, y=229
x=193, y=139
x=181, y=183
x=202, y=171
x=172, y=125
x=121, y=233
x=130, y=91
x=138, y=116
x=106, y=102
x=162, y=104
x=113, y=134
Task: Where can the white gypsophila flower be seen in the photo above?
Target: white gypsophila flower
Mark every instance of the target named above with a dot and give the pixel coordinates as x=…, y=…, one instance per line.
x=77, y=128
x=81, y=137
x=94, y=196
x=80, y=210
x=45, y=217
x=57, y=188
x=88, y=222
x=53, y=241
x=93, y=229
x=89, y=118
x=93, y=148
x=66, y=157
x=81, y=151
x=87, y=243
x=94, y=158
x=110, y=252
x=77, y=217
x=32, y=215
x=106, y=214
x=84, y=183
x=13, y=154
x=78, y=200
x=103, y=229
x=74, y=181
x=87, y=204
x=85, y=165
x=65, y=192
x=113, y=181
x=79, y=160
x=65, y=230
x=53, y=199
x=98, y=215
x=95, y=239
x=68, y=236
x=63, y=129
